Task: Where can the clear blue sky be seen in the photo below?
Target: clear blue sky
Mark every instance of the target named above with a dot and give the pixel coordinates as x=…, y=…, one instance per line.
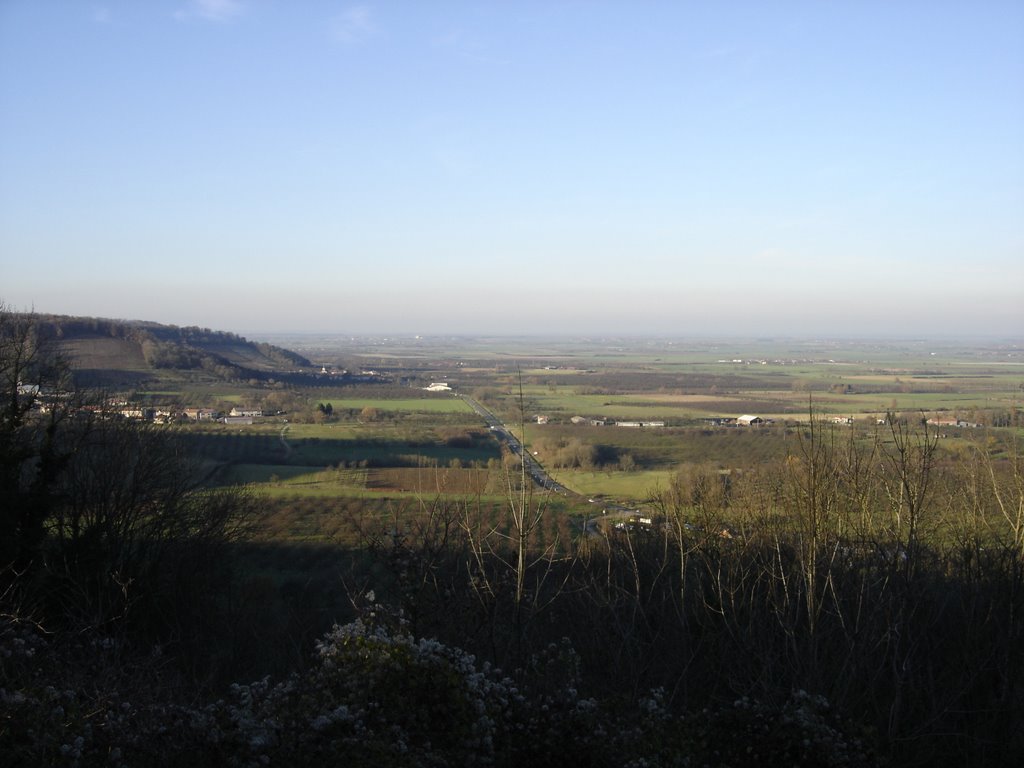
x=683, y=168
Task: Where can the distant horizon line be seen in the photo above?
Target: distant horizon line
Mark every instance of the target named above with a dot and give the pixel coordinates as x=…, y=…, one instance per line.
x=730, y=336
x=635, y=335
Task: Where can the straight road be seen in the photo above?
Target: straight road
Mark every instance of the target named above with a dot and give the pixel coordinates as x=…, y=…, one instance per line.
x=609, y=508
x=505, y=435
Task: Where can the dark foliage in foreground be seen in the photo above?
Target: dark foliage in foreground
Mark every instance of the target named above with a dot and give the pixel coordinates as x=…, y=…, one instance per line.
x=376, y=696
x=857, y=599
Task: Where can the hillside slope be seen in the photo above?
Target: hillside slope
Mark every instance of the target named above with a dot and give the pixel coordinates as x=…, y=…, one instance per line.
x=104, y=351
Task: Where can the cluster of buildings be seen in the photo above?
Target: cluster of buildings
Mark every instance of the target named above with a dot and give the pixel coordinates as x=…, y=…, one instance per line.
x=166, y=415
x=741, y=421
x=578, y=420
x=234, y=416
x=947, y=422
x=115, y=408
x=746, y=420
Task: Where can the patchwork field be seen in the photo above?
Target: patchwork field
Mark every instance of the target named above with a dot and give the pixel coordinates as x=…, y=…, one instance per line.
x=385, y=441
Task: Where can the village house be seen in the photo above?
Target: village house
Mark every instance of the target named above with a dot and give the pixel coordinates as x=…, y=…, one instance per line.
x=961, y=423
x=748, y=421
x=251, y=412
x=137, y=413
x=201, y=414
x=163, y=415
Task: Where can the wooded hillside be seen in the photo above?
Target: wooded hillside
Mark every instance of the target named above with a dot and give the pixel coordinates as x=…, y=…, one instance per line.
x=121, y=351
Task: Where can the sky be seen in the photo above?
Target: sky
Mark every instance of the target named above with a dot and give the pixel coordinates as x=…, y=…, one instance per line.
x=636, y=168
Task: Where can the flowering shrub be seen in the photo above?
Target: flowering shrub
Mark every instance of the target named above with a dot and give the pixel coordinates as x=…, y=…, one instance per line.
x=376, y=696
x=802, y=732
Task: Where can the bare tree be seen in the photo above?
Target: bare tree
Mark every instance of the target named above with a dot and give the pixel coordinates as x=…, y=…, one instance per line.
x=99, y=514
x=907, y=484
x=36, y=402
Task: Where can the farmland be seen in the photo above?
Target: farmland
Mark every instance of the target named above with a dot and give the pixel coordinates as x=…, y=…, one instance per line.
x=332, y=476
x=329, y=476
x=393, y=440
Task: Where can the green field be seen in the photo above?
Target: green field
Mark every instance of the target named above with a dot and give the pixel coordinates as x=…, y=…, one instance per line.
x=444, y=404
x=381, y=439
x=618, y=486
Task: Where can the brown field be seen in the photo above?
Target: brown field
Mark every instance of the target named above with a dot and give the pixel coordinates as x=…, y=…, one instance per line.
x=426, y=480
x=356, y=522
x=105, y=353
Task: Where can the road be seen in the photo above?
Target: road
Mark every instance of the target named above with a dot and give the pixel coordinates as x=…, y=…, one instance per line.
x=505, y=435
x=536, y=470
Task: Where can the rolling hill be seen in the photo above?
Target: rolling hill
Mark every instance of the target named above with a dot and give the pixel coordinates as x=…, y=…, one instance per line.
x=109, y=352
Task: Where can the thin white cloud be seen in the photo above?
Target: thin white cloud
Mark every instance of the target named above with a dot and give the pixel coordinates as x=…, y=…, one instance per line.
x=210, y=10
x=718, y=52
x=464, y=45
x=353, y=24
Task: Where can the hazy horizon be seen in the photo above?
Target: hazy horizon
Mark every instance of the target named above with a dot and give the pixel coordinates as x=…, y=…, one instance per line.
x=799, y=169
x=1015, y=338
